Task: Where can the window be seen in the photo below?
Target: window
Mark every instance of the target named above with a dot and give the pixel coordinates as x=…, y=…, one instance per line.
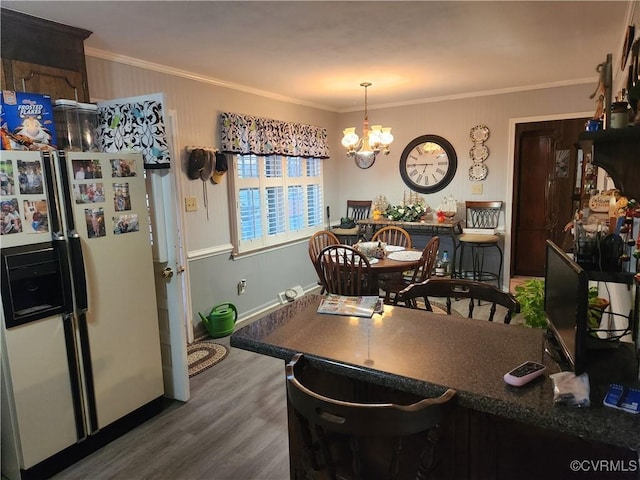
x=278, y=199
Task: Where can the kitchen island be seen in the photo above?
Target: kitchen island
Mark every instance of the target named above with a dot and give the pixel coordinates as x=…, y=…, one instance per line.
x=497, y=431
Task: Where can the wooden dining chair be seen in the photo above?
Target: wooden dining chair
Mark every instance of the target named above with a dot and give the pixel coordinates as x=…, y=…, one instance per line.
x=345, y=271
x=317, y=242
x=396, y=236
x=460, y=288
x=337, y=435
x=419, y=274
x=393, y=235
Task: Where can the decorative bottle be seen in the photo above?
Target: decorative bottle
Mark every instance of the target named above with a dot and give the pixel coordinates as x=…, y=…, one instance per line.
x=440, y=266
x=446, y=264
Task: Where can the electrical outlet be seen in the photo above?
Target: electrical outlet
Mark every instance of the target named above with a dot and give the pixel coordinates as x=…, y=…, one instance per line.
x=476, y=188
x=191, y=204
x=242, y=286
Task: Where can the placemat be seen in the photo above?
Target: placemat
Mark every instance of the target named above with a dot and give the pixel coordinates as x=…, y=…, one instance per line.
x=405, y=256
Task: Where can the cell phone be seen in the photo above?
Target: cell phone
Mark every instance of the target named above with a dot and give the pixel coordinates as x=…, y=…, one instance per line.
x=523, y=374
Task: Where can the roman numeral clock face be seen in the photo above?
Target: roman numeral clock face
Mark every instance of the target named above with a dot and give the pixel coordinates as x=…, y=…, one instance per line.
x=428, y=164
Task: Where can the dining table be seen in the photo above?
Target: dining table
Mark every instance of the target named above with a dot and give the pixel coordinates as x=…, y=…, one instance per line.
x=451, y=228
x=396, y=260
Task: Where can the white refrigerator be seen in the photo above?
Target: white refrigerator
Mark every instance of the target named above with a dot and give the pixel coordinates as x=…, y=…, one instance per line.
x=80, y=338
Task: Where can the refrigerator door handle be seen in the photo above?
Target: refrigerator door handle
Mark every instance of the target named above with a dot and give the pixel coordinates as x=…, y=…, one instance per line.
x=54, y=201
x=74, y=375
x=60, y=246
x=78, y=273
x=85, y=348
x=66, y=197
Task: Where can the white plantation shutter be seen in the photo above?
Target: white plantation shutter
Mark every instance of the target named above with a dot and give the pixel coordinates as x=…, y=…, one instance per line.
x=297, y=208
x=314, y=205
x=250, y=213
x=275, y=210
x=278, y=199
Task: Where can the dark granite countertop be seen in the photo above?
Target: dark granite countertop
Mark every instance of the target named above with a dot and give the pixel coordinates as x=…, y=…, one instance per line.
x=425, y=353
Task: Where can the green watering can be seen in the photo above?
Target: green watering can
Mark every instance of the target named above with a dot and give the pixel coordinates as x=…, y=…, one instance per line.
x=221, y=320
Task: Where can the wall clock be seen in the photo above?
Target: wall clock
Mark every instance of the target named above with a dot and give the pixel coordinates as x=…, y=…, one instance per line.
x=428, y=164
x=364, y=161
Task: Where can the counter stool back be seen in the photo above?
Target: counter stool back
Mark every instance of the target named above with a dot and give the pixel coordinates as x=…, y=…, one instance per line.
x=317, y=242
x=325, y=422
x=460, y=288
x=480, y=215
x=356, y=210
x=345, y=271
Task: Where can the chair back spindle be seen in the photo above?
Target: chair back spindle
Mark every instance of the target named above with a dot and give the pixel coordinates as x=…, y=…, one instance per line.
x=393, y=235
x=345, y=271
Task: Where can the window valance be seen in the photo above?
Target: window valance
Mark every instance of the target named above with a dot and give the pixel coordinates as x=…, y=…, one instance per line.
x=245, y=134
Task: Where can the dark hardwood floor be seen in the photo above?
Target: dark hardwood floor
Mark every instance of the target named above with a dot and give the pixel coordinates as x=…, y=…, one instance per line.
x=233, y=428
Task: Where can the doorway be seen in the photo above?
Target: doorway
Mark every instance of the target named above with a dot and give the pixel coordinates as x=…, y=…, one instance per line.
x=544, y=185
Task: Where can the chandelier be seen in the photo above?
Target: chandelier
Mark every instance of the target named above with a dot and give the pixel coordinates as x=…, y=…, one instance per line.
x=375, y=138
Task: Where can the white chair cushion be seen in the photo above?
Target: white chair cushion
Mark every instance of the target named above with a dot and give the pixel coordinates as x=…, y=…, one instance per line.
x=478, y=238
x=346, y=231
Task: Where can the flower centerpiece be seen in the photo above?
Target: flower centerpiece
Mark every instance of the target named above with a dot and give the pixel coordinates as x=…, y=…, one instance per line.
x=410, y=212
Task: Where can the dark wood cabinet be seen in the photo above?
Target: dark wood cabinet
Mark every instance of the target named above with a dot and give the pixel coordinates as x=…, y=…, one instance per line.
x=41, y=56
x=617, y=151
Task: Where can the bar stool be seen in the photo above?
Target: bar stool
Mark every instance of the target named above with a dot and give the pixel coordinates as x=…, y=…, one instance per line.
x=363, y=441
x=480, y=216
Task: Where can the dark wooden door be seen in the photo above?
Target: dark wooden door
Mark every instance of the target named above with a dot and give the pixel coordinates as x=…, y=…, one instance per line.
x=544, y=183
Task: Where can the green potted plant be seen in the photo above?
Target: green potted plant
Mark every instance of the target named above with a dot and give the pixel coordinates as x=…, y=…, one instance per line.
x=530, y=294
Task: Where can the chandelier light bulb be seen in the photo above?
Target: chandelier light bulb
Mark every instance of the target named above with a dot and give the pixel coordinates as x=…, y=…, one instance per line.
x=350, y=138
x=386, y=137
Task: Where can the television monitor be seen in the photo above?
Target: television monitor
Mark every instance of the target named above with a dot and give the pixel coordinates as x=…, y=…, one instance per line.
x=566, y=297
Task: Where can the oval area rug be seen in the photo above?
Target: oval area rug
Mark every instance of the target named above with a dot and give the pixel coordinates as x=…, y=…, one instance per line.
x=204, y=354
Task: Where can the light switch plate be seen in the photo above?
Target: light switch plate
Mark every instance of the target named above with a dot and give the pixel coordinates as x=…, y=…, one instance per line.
x=476, y=188
x=191, y=204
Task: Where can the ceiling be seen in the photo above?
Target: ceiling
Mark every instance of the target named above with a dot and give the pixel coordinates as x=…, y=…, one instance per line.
x=317, y=53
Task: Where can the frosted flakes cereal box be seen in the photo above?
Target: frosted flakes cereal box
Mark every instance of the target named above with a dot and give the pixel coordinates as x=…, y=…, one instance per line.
x=26, y=121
